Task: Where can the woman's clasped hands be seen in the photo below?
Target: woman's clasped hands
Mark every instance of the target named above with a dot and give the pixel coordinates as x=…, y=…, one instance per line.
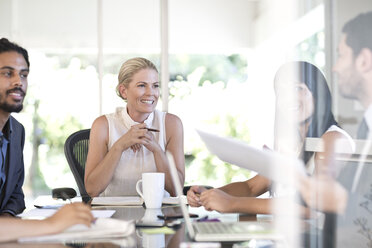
x=137, y=136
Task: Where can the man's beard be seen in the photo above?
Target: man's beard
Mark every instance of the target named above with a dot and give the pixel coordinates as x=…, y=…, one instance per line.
x=351, y=84
x=11, y=108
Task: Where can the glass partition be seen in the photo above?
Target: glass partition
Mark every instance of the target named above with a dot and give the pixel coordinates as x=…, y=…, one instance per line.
x=257, y=71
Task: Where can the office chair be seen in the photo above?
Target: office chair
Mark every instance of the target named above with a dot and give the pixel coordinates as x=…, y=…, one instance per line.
x=76, y=151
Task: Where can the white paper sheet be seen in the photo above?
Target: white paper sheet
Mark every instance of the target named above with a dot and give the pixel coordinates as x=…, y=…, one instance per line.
x=46, y=201
x=269, y=164
x=44, y=213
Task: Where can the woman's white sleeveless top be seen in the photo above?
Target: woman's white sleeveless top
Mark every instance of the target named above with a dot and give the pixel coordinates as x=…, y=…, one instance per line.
x=132, y=164
x=310, y=166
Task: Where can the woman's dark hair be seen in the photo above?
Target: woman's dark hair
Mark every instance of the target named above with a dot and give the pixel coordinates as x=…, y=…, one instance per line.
x=314, y=79
x=7, y=46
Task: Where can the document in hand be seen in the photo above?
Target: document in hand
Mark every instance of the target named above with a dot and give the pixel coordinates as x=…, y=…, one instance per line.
x=103, y=228
x=127, y=201
x=267, y=163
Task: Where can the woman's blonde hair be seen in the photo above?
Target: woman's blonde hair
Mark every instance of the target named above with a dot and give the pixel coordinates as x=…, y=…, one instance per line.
x=131, y=67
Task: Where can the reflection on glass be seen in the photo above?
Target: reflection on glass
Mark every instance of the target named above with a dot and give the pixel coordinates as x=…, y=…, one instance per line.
x=151, y=215
x=152, y=240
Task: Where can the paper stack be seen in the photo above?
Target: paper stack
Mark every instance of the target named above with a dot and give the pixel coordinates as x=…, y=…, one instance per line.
x=128, y=201
x=103, y=228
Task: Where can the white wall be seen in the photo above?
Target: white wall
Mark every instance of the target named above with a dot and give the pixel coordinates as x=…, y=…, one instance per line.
x=128, y=26
x=210, y=25
x=273, y=16
x=50, y=23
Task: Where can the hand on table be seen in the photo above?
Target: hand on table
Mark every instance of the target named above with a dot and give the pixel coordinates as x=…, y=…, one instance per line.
x=216, y=199
x=193, y=195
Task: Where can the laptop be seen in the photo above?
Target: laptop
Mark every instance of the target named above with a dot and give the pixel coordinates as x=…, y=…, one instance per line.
x=219, y=231
x=267, y=163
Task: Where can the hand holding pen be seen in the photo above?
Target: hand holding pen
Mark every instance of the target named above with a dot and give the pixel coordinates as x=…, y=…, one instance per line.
x=139, y=135
x=70, y=214
x=135, y=137
x=149, y=140
x=152, y=130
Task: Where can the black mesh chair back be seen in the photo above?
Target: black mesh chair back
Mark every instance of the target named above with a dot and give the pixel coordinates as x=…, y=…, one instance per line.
x=76, y=151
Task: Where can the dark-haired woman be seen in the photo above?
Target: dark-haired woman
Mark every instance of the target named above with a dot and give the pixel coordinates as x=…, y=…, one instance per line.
x=303, y=101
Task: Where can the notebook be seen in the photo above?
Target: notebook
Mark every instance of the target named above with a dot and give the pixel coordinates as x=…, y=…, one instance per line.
x=219, y=231
x=127, y=201
x=102, y=230
x=267, y=163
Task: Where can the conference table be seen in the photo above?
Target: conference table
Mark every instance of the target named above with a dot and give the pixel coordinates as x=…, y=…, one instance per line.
x=141, y=237
x=180, y=236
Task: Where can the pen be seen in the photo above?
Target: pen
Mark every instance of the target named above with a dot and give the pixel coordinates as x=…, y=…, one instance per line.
x=206, y=219
x=152, y=129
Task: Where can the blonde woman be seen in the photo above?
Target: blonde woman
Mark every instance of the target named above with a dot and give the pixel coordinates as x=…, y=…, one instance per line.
x=122, y=146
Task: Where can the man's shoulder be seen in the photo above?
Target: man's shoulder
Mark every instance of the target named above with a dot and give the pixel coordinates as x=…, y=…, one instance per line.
x=16, y=126
x=15, y=122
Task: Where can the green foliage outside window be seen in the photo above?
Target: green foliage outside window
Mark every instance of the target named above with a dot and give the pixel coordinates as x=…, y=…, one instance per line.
x=210, y=169
x=203, y=75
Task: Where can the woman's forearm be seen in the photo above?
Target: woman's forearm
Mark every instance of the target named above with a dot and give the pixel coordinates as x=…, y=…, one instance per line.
x=238, y=189
x=252, y=205
x=255, y=186
x=98, y=179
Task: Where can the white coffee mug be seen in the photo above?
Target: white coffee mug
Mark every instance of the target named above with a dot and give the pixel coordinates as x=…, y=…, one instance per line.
x=153, y=189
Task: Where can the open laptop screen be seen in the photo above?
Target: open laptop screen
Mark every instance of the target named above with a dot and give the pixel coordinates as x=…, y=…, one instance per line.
x=178, y=187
